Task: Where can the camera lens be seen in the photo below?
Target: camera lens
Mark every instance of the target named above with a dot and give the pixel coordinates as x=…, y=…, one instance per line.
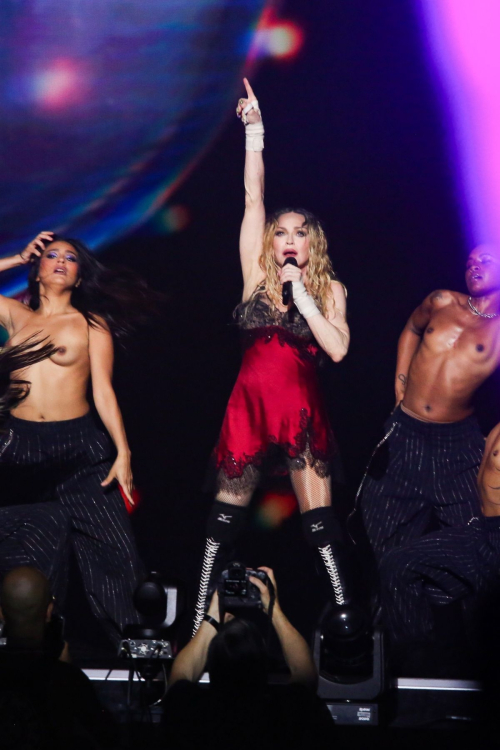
x=237, y=571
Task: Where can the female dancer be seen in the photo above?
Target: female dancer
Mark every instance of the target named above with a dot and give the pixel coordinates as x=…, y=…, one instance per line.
x=51, y=448
x=276, y=406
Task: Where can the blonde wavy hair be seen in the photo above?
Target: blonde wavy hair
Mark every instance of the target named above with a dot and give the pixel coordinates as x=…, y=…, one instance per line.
x=319, y=270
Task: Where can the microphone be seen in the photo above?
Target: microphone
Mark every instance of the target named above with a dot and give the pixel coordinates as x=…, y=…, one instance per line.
x=287, y=293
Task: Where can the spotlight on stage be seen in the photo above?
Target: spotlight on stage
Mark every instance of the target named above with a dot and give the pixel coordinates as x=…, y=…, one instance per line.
x=160, y=604
x=346, y=643
x=349, y=657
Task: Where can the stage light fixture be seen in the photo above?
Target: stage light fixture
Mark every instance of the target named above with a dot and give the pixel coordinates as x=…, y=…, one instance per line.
x=349, y=656
x=160, y=603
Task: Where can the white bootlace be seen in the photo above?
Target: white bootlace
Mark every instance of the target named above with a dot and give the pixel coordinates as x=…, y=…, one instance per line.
x=206, y=571
x=332, y=570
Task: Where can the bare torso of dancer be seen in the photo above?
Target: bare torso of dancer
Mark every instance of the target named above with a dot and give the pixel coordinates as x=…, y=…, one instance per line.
x=457, y=351
x=488, y=478
x=58, y=388
x=83, y=352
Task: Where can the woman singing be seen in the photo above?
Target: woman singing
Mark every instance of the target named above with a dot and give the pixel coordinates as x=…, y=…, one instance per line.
x=51, y=448
x=276, y=406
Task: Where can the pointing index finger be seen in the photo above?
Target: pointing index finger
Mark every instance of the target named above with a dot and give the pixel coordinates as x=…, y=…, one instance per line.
x=250, y=94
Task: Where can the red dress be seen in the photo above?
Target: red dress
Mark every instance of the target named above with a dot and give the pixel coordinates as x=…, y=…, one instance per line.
x=276, y=405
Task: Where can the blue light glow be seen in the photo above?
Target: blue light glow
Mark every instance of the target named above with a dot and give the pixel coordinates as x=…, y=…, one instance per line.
x=104, y=105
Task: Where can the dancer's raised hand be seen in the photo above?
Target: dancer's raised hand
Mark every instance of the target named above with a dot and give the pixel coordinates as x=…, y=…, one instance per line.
x=248, y=108
x=36, y=246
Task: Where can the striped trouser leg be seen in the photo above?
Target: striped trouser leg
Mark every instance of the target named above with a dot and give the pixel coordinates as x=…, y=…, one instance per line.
x=454, y=465
x=66, y=462
x=37, y=535
x=421, y=470
x=102, y=536
x=392, y=495
x=105, y=550
x=441, y=567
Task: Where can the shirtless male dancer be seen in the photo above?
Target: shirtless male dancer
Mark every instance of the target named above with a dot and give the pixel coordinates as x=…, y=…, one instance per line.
x=426, y=465
x=447, y=565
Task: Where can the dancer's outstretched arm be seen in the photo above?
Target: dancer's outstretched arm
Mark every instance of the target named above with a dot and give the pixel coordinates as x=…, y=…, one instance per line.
x=252, y=227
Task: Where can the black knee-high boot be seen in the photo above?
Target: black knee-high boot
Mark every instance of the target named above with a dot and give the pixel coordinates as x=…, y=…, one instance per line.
x=223, y=527
x=324, y=534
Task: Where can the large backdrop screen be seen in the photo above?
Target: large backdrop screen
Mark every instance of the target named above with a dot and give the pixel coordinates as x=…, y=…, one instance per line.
x=104, y=105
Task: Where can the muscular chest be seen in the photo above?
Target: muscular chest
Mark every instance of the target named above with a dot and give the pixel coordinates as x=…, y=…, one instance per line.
x=68, y=333
x=458, y=332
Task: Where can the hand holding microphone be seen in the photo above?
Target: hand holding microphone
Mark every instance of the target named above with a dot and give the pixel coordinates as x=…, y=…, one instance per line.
x=296, y=292
x=287, y=293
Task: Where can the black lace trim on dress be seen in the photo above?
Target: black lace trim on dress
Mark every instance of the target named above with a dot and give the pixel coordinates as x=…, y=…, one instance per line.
x=258, y=319
x=257, y=313
x=298, y=455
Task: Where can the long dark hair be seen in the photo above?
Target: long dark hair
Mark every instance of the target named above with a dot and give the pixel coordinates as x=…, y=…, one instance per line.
x=117, y=295
x=13, y=391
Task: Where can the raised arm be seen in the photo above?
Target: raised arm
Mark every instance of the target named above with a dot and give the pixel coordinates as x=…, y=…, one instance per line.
x=101, y=368
x=252, y=226
x=410, y=338
x=297, y=653
x=8, y=305
x=191, y=660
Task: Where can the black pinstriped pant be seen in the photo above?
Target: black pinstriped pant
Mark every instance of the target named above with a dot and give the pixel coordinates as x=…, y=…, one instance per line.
x=65, y=462
x=441, y=567
x=37, y=535
x=421, y=472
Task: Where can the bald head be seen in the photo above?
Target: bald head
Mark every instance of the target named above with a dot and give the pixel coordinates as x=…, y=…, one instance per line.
x=25, y=599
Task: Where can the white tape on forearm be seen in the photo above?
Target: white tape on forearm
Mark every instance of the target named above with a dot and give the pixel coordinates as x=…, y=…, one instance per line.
x=254, y=136
x=303, y=301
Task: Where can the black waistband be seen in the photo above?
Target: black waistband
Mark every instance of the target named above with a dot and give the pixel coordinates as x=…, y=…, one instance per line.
x=68, y=426
x=466, y=426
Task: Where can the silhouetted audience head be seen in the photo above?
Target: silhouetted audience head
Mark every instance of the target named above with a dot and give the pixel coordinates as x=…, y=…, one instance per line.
x=26, y=604
x=237, y=657
x=44, y=701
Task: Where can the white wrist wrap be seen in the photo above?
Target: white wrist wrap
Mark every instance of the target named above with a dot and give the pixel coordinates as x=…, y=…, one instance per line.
x=254, y=104
x=303, y=301
x=254, y=136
